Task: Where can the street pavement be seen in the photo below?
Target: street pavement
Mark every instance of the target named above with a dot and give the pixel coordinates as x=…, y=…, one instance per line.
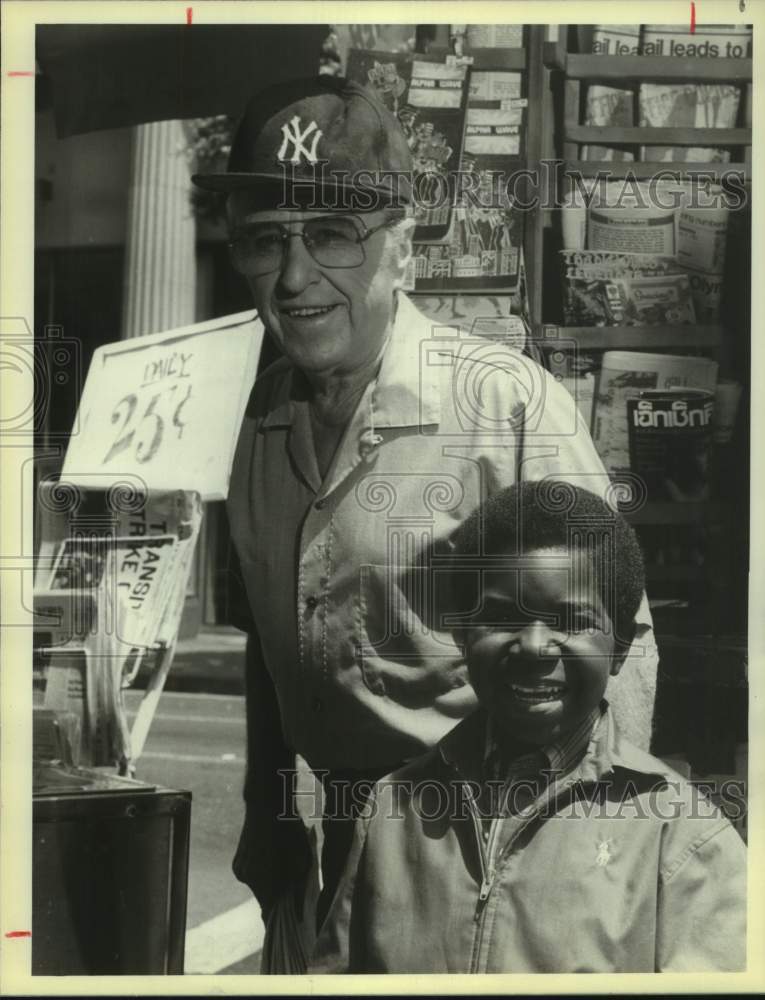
x=197, y=742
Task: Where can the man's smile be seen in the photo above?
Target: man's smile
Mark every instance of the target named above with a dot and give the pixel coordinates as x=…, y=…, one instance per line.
x=306, y=312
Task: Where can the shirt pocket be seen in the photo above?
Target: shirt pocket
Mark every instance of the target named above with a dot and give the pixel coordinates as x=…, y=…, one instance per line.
x=399, y=654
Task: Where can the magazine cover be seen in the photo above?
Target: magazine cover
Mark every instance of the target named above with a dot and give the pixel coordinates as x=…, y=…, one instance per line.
x=481, y=250
x=624, y=376
x=429, y=97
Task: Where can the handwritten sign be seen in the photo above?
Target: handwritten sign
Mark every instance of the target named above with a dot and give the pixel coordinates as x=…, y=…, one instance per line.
x=167, y=407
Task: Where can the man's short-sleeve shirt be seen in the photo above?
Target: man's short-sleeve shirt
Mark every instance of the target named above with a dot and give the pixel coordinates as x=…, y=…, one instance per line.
x=344, y=574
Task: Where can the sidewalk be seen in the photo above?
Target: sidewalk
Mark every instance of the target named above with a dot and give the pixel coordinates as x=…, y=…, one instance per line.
x=211, y=661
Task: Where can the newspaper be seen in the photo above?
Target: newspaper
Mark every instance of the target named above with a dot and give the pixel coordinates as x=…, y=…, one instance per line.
x=625, y=238
x=702, y=235
x=706, y=292
x=723, y=41
x=609, y=39
x=582, y=388
x=605, y=105
x=495, y=36
x=633, y=230
x=696, y=105
x=624, y=375
x=140, y=569
x=132, y=560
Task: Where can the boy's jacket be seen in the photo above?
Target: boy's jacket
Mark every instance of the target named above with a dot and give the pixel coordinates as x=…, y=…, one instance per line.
x=621, y=867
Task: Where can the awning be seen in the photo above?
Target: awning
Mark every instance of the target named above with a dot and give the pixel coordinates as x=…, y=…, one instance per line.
x=109, y=76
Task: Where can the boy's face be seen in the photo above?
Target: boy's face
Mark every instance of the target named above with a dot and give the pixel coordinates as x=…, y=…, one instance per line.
x=541, y=648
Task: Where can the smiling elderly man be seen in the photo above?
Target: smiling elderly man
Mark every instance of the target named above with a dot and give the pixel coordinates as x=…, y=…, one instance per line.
x=363, y=448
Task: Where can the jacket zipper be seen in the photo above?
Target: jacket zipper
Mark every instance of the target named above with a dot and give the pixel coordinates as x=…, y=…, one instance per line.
x=487, y=883
x=489, y=863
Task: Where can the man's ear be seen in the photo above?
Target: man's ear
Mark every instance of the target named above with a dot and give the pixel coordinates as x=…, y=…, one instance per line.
x=401, y=248
x=460, y=638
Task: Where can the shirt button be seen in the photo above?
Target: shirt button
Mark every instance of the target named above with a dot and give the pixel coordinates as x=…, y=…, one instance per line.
x=311, y=603
x=317, y=705
x=321, y=504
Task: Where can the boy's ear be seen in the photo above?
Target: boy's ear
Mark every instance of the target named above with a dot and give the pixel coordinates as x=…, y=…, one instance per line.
x=621, y=649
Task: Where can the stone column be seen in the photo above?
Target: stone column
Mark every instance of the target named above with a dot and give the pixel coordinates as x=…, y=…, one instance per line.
x=160, y=265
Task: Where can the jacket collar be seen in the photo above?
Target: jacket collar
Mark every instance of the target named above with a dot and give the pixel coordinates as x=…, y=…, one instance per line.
x=463, y=747
x=407, y=391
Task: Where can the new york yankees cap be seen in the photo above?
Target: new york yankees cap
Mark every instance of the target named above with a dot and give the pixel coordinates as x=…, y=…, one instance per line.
x=322, y=142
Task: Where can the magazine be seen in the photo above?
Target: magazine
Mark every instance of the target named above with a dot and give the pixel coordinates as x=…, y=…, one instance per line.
x=429, y=98
x=589, y=294
x=650, y=293
x=624, y=375
x=481, y=250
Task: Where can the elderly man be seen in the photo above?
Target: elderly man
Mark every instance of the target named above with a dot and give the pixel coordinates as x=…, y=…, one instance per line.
x=362, y=449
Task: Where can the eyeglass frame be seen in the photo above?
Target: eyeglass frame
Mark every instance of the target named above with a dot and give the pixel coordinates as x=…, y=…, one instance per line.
x=286, y=235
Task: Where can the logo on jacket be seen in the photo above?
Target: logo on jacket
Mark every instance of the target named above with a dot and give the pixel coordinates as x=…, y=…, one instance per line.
x=603, y=855
x=291, y=133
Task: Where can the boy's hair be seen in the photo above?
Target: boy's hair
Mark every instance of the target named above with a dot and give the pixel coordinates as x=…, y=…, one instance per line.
x=547, y=514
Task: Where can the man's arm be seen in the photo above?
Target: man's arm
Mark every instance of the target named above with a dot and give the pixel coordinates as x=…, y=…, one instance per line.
x=274, y=851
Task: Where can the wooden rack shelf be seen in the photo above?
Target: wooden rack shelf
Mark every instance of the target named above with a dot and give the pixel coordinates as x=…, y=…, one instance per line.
x=612, y=338
x=656, y=69
x=644, y=136
x=574, y=72
x=611, y=169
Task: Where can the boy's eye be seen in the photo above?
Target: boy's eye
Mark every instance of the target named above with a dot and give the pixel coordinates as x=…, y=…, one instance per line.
x=581, y=621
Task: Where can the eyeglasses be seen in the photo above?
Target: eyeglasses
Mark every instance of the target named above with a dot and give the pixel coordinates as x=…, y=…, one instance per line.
x=332, y=241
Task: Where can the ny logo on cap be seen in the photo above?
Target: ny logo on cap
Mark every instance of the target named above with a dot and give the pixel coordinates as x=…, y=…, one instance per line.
x=291, y=134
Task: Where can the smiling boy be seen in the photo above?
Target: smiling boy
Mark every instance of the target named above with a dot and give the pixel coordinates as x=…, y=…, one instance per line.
x=533, y=837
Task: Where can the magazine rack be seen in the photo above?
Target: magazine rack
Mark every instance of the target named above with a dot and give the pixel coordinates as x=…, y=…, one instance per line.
x=715, y=590
x=527, y=60
x=571, y=71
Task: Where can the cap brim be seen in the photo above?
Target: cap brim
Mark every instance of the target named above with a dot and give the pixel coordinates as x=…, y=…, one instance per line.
x=274, y=190
x=233, y=182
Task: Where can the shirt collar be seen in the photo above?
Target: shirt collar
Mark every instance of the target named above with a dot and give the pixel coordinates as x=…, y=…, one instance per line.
x=557, y=757
x=605, y=749
x=406, y=393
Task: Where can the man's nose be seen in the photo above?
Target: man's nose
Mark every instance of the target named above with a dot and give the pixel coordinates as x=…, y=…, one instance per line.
x=536, y=639
x=298, y=269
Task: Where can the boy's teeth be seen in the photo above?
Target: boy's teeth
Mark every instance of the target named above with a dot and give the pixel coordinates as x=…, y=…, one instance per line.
x=537, y=693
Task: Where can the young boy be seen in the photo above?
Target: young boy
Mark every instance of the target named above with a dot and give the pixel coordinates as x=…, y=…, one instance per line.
x=534, y=838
